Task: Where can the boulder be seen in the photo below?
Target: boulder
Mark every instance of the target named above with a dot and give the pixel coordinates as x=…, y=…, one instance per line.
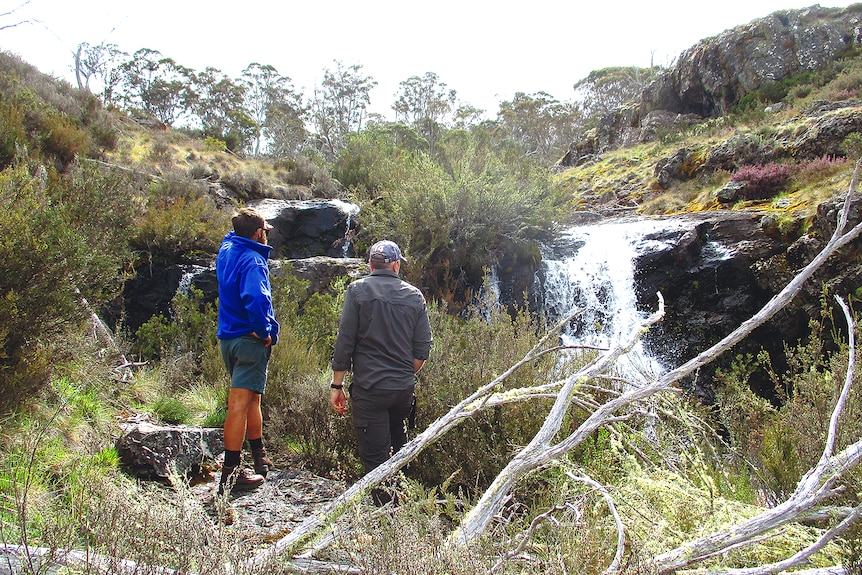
x=155, y=451
x=320, y=271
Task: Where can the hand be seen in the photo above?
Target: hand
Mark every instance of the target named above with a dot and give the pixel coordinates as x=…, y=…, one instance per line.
x=338, y=401
x=267, y=341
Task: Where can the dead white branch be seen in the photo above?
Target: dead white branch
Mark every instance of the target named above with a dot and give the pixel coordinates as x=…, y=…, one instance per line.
x=621, y=531
x=540, y=451
x=45, y=560
x=815, y=486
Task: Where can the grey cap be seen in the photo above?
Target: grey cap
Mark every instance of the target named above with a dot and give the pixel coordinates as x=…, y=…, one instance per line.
x=385, y=251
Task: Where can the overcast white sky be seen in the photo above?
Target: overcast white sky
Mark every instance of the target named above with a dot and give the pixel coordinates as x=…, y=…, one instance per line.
x=486, y=51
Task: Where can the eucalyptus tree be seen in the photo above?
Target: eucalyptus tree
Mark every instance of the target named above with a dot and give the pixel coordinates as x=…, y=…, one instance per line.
x=285, y=130
x=467, y=116
x=426, y=104
x=542, y=126
x=101, y=64
x=340, y=106
x=157, y=85
x=219, y=106
x=603, y=90
x=274, y=106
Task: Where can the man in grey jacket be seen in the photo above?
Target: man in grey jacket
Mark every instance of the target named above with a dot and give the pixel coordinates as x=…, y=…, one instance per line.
x=384, y=338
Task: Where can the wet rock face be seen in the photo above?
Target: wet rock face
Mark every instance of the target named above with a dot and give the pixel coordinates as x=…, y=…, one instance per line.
x=704, y=274
x=304, y=229
x=150, y=292
x=726, y=266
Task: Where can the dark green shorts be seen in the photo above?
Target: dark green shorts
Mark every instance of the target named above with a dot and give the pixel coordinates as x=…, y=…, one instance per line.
x=246, y=359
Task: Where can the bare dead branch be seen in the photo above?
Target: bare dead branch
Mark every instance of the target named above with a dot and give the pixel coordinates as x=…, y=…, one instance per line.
x=19, y=23
x=621, y=531
x=525, y=538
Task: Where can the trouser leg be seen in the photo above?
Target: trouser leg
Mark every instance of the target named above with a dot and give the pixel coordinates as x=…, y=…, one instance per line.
x=378, y=418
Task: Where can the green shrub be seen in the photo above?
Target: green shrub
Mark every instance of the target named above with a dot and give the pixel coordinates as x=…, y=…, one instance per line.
x=304, y=171
x=61, y=244
x=786, y=439
x=12, y=132
x=373, y=158
x=179, y=223
x=171, y=410
x=156, y=336
x=453, y=225
x=62, y=138
x=214, y=144
x=248, y=184
x=191, y=329
x=466, y=355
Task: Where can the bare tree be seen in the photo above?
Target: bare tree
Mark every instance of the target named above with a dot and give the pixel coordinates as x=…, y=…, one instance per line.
x=8, y=13
x=101, y=63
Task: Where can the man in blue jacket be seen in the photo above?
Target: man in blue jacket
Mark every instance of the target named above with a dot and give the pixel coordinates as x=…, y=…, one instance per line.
x=384, y=337
x=247, y=330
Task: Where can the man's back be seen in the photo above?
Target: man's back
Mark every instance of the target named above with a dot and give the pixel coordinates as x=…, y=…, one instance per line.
x=384, y=327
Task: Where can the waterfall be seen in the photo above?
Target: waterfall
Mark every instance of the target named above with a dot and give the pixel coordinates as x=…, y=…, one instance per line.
x=591, y=267
x=349, y=210
x=487, y=300
x=185, y=284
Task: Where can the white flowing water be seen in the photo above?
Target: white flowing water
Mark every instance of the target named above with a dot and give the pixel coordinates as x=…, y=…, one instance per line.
x=591, y=267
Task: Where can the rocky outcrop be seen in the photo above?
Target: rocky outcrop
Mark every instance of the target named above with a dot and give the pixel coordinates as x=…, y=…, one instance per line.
x=312, y=236
x=705, y=272
x=321, y=272
x=711, y=77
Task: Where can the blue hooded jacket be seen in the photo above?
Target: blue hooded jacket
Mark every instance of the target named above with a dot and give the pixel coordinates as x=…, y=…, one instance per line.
x=245, y=296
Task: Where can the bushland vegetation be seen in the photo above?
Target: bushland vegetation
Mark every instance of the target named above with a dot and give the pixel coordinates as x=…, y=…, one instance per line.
x=91, y=198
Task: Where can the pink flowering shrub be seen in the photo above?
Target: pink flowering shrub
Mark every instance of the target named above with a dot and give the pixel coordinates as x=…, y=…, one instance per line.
x=820, y=168
x=763, y=181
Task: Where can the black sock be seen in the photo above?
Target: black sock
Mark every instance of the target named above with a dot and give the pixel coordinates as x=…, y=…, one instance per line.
x=231, y=458
x=256, y=443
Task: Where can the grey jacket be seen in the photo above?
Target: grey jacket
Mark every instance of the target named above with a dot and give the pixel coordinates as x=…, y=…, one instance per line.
x=384, y=326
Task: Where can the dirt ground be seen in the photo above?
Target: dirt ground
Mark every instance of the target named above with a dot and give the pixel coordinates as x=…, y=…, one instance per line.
x=268, y=513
